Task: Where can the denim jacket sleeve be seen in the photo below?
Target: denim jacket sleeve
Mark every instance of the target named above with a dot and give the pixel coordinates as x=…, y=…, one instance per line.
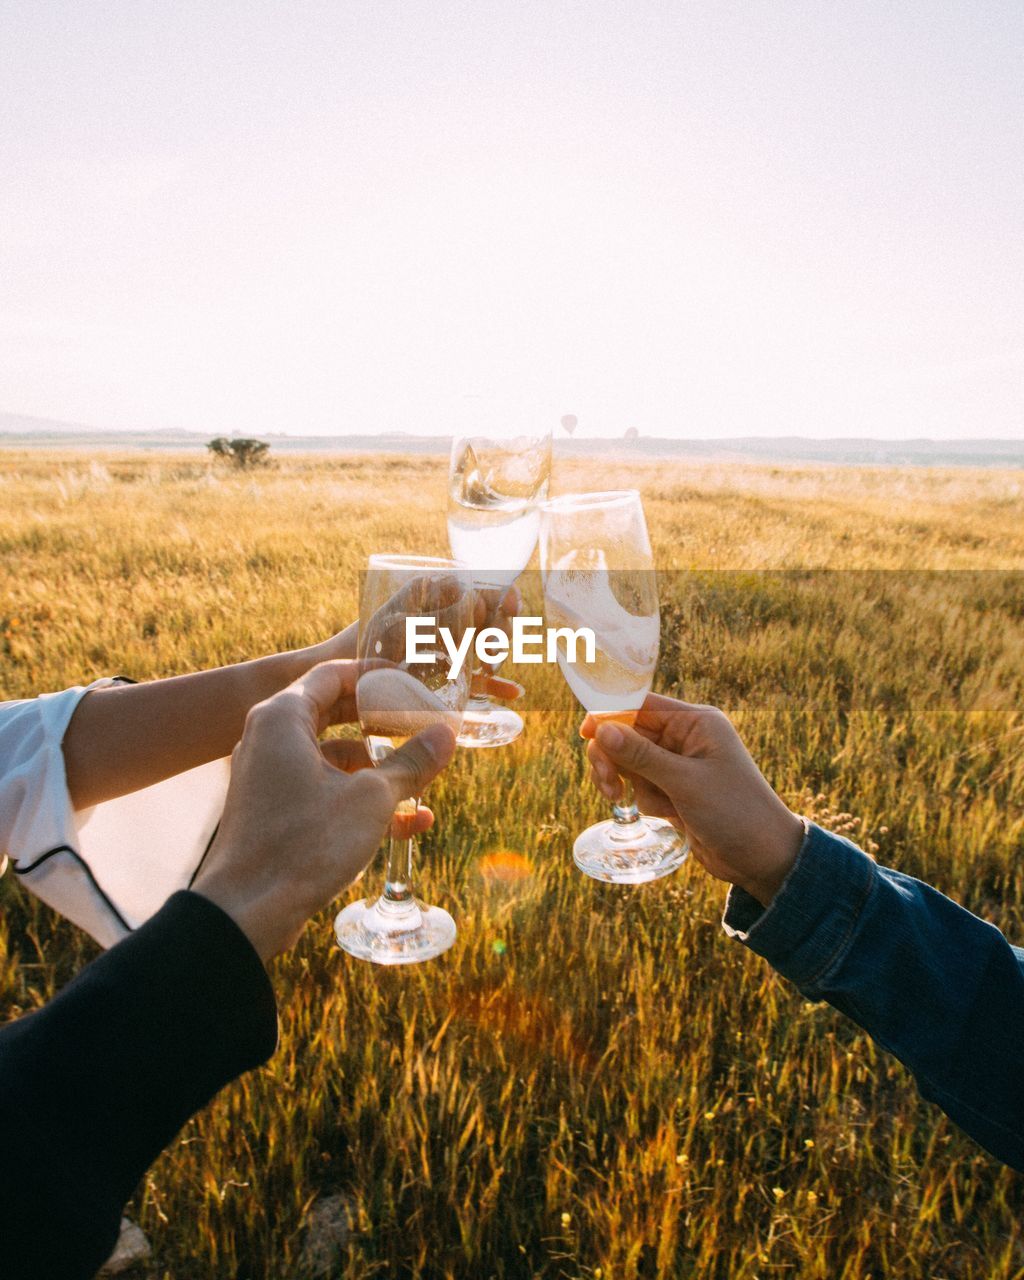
x=932, y=983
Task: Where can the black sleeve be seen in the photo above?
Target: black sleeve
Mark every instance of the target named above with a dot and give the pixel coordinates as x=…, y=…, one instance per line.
x=95, y=1084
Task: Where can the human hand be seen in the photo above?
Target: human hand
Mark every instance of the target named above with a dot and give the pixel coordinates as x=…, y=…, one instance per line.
x=297, y=826
x=495, y=607
x=689, y=765
x=487, y=612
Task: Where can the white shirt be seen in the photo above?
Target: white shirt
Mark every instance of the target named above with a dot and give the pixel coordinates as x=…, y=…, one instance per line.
x=110, y=867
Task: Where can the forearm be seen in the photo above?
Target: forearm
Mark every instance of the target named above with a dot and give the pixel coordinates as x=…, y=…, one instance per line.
x=94, y=1085
x=931, y=982
x=126, y=737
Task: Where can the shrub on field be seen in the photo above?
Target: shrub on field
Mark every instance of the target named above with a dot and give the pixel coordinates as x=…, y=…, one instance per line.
x=243, y=452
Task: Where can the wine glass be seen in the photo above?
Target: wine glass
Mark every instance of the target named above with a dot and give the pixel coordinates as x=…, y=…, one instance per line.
x=499, y=473
x=395, y=701
x=598, y=572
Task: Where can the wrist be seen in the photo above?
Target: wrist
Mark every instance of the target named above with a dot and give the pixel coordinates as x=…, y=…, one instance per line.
x=296, y=662
x=783, y=847
x=278, y=670
x=261, y=917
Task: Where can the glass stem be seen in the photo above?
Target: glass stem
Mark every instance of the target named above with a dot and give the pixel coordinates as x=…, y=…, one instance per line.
x=625, y=811
x=479, y=703
x=397, y=896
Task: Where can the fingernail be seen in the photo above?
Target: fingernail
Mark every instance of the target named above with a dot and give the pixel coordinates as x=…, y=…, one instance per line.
x=610, y=736
x=430, y=740
x=436, y=740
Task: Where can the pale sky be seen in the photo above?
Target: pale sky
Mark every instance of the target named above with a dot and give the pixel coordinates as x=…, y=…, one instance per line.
x=713, y=218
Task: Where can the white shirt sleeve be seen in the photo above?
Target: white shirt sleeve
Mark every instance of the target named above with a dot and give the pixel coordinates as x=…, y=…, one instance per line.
x=110, y=867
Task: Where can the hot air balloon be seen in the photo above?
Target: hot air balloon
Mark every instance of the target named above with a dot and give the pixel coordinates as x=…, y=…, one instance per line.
x=631, y=434
x=569, y=421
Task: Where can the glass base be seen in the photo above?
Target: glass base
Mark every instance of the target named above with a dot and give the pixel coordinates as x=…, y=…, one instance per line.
x=487, y=724
x=387, y=933
x=630, y=853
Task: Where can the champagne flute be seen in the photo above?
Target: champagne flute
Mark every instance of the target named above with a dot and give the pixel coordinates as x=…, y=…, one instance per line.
x=598, y=572
x=498, y=475
x=395, y=701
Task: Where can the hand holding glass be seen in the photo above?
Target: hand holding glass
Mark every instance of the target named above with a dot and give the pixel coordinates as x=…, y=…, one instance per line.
x=394, y=701
x=598, y=572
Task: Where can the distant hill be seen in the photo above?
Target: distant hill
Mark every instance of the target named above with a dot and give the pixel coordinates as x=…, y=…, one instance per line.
x=860, y=452
x=31, y=430
x=21, y=431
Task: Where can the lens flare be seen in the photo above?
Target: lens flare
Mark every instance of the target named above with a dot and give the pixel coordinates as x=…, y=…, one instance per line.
x=505, y=866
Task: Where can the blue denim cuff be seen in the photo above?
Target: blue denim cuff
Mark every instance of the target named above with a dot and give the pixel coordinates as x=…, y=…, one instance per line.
x=809, y=925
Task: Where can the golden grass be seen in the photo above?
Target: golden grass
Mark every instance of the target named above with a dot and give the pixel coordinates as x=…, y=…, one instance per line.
x=595, y=1081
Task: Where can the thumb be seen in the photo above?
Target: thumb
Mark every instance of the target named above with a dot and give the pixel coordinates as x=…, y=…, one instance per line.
x=409, y=769
x=636, y=754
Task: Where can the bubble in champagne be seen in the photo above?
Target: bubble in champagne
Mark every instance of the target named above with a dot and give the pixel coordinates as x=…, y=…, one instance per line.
x=394, y=704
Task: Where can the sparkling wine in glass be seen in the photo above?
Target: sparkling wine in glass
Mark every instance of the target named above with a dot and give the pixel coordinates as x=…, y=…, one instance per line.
x=598, y=572
x=499, y=473
x=394, y=702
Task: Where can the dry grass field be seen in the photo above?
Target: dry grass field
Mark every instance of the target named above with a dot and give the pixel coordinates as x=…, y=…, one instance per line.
x=595, y=1083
